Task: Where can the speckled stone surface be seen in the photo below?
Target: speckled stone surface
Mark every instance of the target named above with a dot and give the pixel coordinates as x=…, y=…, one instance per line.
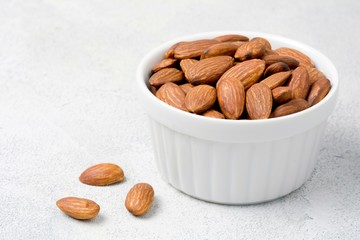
x=68, y=101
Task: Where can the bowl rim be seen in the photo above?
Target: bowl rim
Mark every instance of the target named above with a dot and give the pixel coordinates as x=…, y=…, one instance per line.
x=144, y=70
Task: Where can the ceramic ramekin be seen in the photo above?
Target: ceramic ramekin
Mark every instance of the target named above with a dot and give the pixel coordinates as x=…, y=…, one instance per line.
x=236, y=161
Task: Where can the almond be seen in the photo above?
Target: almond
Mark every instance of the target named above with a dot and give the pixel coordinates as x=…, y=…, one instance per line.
x=165, y=63
x=259, y=101
x=299, y=56
x=250, y=50
x=238, y=43
x=281, y=94
x=314, y=75
x=293, y=106
x=276, y=79
x=186, y=87
x=263, y=41
x=269, y=52
x=170, y=52
x=139, y=199
x=200, y=98
x=248, y=72
x=185, y=64
x=318, y=91
x=299, y=83
x=102, y=174
x=231, y=97
x=173, y=95
x=275, y=68
x=220, y=49
x=209, y=70
x=79, y=208
x=213, y=114
x=231, y=38
x=291, y=62
x=192, y=49
x=166, y=75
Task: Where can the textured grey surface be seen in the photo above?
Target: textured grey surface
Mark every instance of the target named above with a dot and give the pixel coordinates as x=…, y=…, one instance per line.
x=67, y=101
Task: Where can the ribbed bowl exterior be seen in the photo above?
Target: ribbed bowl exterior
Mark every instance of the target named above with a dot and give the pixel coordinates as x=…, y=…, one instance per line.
x=235, y=173
x=236, y=161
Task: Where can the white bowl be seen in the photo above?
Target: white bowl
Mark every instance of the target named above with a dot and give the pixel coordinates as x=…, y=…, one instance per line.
x=236, y=161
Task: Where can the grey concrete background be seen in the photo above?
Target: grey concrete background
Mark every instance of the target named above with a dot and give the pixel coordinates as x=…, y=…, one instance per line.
x=68, y=101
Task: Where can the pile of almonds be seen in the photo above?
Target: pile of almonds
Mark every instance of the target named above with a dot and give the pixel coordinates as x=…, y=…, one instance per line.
x=234, y=77
x=138, y=200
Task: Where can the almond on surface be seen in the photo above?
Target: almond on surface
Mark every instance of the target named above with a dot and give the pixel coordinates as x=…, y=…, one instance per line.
x=209, y=70
x=102, y=174
x=248, y=72
x=200, y=98
x=166, y=75
x=139, y=199
x=78, y=208
x=173, y=95
x=259, y=101
x=231, y=97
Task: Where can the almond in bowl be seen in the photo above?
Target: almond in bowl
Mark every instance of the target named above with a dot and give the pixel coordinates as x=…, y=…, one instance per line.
x=247, y=126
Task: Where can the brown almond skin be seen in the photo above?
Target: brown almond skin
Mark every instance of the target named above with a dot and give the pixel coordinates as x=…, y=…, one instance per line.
x=318, y=91
x=139, y=199
x=231, y=38
x=213, y=114
x=220, y=49
x=299, y=83
x=231, y=97
x=78, y=208
x=276, y=79
x=275, y=68
x=293, y=106
x=314, y=75
x=248, y=72
x=281, y=94
x=185, y=64
x=209, y=70
x=299, y=56
x=263, y=41
x=173, y=95
x=291, y=62
x=192, y=49
x=250, y=50
x=259, y=101
x=102, y=174
x=166, y=75
x=186, y=87
x=165, y=63
x=170, y=52
x=200, y=98
x=238, y=43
